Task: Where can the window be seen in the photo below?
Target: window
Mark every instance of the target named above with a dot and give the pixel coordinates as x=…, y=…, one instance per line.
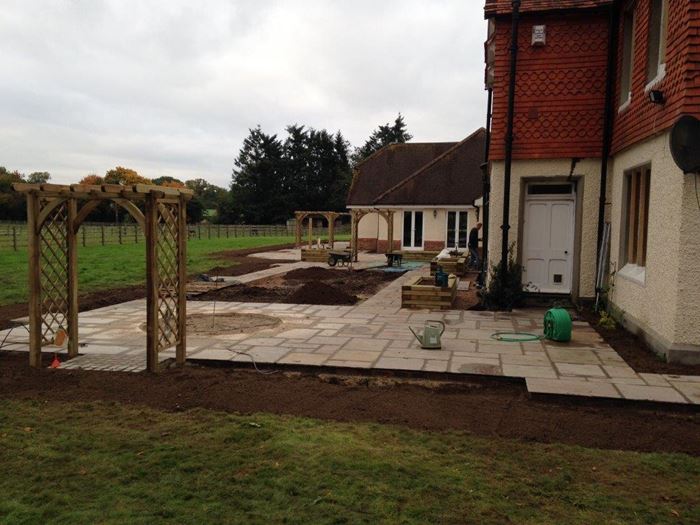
x=636, y=216
x=457, y=233
x=413, y=229
x=627, y=57
x=658, y=26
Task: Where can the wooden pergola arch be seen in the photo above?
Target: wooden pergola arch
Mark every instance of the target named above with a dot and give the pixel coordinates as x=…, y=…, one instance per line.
x=54, y=215
x=330, y=216
x=357, y=214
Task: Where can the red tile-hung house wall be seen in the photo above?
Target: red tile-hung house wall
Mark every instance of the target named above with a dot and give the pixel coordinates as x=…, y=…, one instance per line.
x=560, y=87
x=641, y=119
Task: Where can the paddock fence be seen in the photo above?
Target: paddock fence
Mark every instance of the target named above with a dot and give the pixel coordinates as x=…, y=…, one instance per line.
x=13, y=235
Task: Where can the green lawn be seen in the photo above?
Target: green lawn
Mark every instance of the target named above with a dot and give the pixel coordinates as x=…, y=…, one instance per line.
x=109, y=463
x=111, y=266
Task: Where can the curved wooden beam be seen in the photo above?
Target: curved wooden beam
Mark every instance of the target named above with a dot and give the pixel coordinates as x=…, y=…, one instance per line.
x=46, y=210
x=86, y=210
x=134, y=211
x=90, y=206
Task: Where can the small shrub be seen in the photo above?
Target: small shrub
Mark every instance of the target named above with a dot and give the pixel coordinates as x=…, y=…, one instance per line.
x=505, y=292
x=606, y=321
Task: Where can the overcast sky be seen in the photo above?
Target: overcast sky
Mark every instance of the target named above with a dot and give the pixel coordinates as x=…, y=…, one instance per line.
x=171, y=87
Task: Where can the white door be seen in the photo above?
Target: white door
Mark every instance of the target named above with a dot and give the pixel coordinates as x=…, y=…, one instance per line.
x=548, y=246
x=412, y=238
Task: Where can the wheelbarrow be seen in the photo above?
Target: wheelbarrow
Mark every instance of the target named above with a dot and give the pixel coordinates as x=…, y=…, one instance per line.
x=430, y=338
x=337, y=257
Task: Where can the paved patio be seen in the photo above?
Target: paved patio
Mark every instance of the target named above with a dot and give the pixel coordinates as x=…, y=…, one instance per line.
x=375, y=335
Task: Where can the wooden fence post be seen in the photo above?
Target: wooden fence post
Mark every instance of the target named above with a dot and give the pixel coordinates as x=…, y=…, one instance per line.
x=102, y=231
x=136, y=234
x=84, y=238
x=14, y=238
x=119, y=232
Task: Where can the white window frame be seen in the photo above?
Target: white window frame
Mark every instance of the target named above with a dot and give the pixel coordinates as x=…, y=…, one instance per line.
x=413, y=230
x=627, y=67
x=634, y=264
x=447, y=226
x=660, y=65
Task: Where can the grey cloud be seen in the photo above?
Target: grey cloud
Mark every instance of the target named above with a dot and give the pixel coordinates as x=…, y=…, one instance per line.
x=171, y=87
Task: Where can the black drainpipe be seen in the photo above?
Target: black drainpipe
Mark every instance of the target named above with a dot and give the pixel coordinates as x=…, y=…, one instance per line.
x=509, y=136
x=607, y=121
x=486, y=193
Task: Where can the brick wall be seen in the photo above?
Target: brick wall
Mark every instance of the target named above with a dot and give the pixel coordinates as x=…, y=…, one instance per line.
x=560, y=87
x=681, y=86
x=433, y=246
x=383, y=244
x=369, y=245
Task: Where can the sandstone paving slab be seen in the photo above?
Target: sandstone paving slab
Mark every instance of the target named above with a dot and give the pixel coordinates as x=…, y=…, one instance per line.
x=432, y=365
x=440, y=355
x=691, y=390
x=529, y=371
x=682, y=378
x=303, y=358
x=486, y=369
x=262, y=341
x=571, y=387
x=531, y=360
x=572, y=355
x=298, y=333
x=261, y=354
x=214, y=354
x=620, y=371
x=654, y=379
x=345, y=354
x=500, y=348
x=329, y=340
x=357, y=343
x=651, y=393
x=397, y=363
x=569, y=369
x=327, y=349
x=348, y=364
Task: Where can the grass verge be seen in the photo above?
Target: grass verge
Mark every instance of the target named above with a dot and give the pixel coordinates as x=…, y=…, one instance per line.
x=109, y=463
x=112, y=266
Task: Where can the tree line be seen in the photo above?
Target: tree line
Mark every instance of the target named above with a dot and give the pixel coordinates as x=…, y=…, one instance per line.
x=272, y=177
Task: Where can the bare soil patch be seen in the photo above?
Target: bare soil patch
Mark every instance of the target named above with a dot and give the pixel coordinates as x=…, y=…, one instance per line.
x=307, y=286
x=227, y=323
x=484, y=407
x=634, y=350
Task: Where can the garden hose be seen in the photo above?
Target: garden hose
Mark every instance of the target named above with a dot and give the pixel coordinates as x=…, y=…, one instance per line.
x=516, y=337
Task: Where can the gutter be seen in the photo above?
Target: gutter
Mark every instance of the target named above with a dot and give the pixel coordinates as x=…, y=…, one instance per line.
x=505, y=226
x=607, y=124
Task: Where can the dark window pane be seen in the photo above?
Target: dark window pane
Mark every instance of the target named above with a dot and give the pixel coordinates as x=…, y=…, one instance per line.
x=463, y=225
x=549, y=189
x=407, y=228
x=418, y=229
x=451, y=220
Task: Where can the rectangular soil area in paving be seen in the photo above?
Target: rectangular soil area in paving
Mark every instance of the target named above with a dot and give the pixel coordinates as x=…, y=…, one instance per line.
x=307, y=286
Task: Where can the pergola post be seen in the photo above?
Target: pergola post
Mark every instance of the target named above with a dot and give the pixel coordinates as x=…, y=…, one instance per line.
x=180, y=349
x=151, y=234
x=311, y=231
x=35, y=320
x=331, y=229
x=297, y=229
x=390, y=232
x=72, y=241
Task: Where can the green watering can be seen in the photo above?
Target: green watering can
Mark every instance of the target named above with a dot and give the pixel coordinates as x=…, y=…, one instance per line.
x=430, y=338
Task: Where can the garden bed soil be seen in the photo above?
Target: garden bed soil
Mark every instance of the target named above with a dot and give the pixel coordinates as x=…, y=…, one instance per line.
x=483, y=407
x=240, y=264
x=307, y=286
x=634, y=350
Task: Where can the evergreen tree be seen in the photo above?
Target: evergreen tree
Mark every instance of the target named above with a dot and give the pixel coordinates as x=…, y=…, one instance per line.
x=384, y=135
x=257, y=195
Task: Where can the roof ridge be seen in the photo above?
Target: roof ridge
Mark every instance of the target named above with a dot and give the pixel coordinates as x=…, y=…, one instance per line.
x=429, y=164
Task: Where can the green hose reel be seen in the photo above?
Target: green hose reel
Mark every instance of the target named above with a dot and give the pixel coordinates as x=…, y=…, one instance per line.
x=557, y=325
